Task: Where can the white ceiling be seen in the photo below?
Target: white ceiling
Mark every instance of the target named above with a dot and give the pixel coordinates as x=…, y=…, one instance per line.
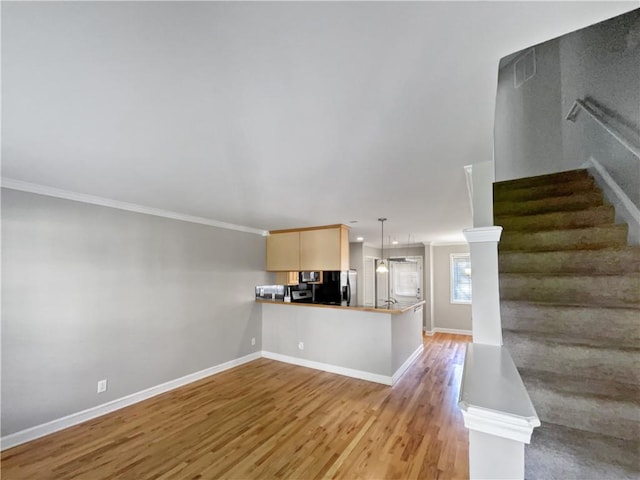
x=267, y=115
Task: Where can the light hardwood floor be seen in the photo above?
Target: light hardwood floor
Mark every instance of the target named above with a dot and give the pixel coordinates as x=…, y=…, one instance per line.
x=267, y=419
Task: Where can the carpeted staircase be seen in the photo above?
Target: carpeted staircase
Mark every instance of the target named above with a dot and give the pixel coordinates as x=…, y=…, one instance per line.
x=570, y=305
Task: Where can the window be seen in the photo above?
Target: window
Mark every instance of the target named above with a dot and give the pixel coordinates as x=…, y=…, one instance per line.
x=460, y=278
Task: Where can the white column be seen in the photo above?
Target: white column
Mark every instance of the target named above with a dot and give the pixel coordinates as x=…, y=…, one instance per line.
x=486, y=323
x=497, y=411
x=493, y=457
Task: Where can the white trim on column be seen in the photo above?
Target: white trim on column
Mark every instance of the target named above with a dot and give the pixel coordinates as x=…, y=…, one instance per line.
x=504, y=409
x=497, y=423
x=482, y=234
x=131, y=207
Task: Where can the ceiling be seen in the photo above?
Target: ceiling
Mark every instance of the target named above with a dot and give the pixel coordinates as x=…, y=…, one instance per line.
x=267, y=115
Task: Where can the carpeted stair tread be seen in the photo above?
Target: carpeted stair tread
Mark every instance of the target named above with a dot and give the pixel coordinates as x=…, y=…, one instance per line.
x=590, y=238
x=619, y=325
x=574, y=384
x=606, y=261
x=550, y=338
x=598, y=290
x=577, y=201
x=519, y=193
x=558, y=177
x=570, y=308
x=588, y=217
x=560, y=453
x=613, y=407
x=592, y=360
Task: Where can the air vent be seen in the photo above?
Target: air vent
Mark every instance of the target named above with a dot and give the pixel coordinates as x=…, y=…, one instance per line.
x=524, y=67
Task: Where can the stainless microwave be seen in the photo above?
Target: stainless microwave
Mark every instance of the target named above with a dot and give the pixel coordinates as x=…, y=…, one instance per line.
x=310, y=277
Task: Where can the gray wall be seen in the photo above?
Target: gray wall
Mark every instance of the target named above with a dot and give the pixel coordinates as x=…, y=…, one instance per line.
x=92, y=292
x=447, y=314
x=528, y=129
x=601, y=62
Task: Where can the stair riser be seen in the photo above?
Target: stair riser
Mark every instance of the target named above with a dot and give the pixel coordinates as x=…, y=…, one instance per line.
x=596, y=262
x=554, y=178
x=543, y=191
x=589, y=238
x=588, y=362
x=597, y=415
x=621, y=327
x=558, y=220
x=596, y=291
x=547, y=205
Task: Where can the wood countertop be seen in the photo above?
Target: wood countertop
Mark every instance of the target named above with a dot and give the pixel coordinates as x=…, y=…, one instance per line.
x=393, y=309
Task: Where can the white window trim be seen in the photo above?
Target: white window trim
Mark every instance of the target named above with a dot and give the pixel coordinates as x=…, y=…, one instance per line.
x=452, y=259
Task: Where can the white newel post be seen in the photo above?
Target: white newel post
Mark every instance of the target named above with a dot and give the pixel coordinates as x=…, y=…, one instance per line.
x=497, y=411
x=485, y=307
x=495, y=404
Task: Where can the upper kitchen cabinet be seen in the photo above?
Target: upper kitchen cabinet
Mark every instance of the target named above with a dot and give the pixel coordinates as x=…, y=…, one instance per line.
x=308, y=249
x=283, y=251
x=324, y=248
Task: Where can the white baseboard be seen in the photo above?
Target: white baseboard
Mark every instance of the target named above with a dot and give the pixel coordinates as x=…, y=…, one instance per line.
x=454, y=331
x=38, y=431
x=403, y=368
x=58, y=424
x=326, y=367
x=625, y=209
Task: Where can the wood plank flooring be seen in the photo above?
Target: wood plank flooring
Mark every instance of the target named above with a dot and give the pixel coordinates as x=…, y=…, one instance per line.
x=266, y=420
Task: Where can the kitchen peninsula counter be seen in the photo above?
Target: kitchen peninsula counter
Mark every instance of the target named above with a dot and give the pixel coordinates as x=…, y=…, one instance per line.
x=392, y=309
x=374, y=344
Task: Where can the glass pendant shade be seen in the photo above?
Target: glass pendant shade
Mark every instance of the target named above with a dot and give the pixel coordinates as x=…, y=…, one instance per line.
x=382, y=266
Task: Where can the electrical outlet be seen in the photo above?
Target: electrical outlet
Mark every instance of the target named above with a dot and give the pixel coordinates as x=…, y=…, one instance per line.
x=300, y=345
x=253, y=340
x=102, y=386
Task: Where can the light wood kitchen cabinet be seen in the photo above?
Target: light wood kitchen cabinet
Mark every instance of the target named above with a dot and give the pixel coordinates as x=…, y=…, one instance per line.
x=308, y=249
x=283, y=251
x=287, y=278
x=324, y=248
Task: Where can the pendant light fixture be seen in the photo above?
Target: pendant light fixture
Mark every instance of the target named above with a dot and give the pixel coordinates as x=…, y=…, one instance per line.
x=382, y=266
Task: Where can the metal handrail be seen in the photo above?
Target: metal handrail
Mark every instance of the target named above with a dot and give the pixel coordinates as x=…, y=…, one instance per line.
x=606, y=121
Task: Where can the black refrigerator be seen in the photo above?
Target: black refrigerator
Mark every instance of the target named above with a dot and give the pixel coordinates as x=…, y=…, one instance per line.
x=338, y=288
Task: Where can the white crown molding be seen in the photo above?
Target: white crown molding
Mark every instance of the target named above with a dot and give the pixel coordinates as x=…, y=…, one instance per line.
x=12, y=184
x=482, y=234
x=38, y=431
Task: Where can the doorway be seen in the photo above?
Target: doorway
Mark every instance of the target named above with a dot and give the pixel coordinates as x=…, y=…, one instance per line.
x=405, y=279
